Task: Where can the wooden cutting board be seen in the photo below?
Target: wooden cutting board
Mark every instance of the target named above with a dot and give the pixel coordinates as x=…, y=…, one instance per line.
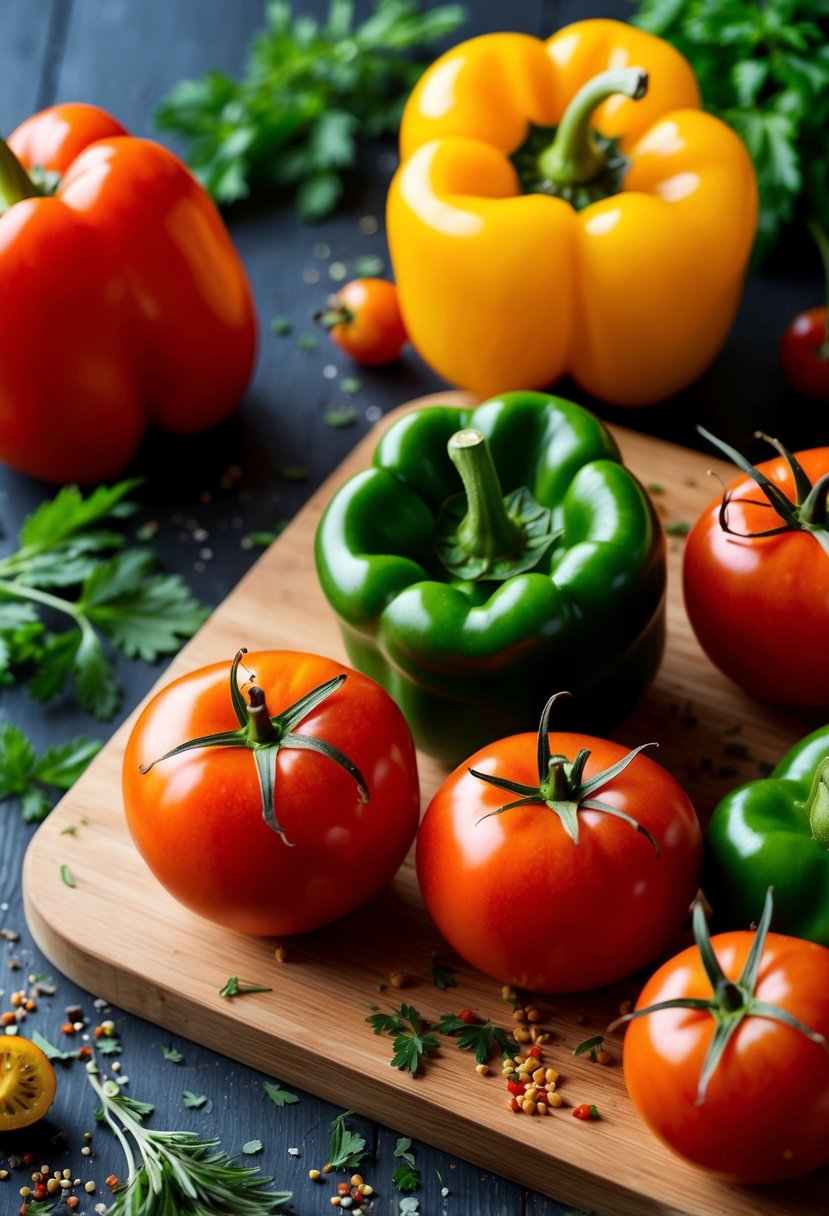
x=119, y=935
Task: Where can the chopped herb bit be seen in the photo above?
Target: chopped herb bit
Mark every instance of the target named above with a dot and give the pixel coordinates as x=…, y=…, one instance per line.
x=281, y=325
x=590, y=1046
x=251, y=1147
x=306, y=342
x=410, y=1043
x=484, y=1038
x=351, y=385
x=278, y=1095
x=171, y=1054
x=71, y=829
x=656, y=487
x=49, y=1049
x=33, y=779
x=401, y=1149
x=406, y=1178
x=344, y=416
x=234, y=988
x=193, y=1101
x=678, y=527
x=108, y=1047
x=442, y=977
x=264, y=538
x=346, y=1148
x=66, y=875
x=368, y=266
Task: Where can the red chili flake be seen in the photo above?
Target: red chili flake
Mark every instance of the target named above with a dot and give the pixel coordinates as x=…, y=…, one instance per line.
x=39, y=1191
x=586, y=1110
x=516, y=1087
x=112, y=1181
x=535, y=1052
x=514, y=1104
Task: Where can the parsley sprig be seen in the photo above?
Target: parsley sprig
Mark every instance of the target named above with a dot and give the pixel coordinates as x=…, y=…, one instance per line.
x=312, y=92
x=764, y=69
x=32, y=778
x=176, y=1171
x=70, y=562
x=484, y=1038
x=411, y=1040
x=346, y=1148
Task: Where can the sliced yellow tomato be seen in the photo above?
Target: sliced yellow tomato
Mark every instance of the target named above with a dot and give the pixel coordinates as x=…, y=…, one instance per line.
x=27, y=1083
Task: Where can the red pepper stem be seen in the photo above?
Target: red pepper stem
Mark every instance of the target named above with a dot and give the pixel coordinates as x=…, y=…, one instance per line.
x=15, y=183
x=822, y=241
x=487, y=530
x=574, y=157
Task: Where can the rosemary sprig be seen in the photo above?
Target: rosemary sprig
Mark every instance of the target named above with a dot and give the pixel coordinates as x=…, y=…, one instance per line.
x=178, y=1172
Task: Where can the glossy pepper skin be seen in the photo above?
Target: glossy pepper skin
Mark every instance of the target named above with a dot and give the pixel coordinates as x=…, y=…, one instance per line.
x=470, y=659
x=502, y=285
x=124, y=302
x=775, y=833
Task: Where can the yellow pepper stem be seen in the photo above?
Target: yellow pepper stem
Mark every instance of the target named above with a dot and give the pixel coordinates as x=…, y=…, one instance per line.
x=574, y=157
x=15, y=183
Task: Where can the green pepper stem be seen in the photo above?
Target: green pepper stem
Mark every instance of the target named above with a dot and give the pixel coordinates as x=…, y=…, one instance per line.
x=817, y=804
x=487, y=529
x=574, y=157
x=822, y=241
x=15, y=183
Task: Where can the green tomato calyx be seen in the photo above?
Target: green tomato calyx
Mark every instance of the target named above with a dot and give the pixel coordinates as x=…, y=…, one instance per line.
x=731, y=1001
x=562, y=786
x=808, y=513
x=265, y=736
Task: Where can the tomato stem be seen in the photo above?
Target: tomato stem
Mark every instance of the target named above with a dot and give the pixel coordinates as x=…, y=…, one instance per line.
x=260, y=726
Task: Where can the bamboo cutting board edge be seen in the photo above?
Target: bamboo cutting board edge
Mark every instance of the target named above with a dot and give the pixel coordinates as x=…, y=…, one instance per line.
x=160, y=962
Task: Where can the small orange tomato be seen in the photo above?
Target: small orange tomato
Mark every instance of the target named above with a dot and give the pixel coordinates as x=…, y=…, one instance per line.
x=364, y=319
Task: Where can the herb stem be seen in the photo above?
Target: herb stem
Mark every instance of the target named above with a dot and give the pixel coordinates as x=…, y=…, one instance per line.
x=23, y=591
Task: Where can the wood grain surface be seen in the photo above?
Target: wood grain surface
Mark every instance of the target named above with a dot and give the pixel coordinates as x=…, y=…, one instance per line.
x=117, y=933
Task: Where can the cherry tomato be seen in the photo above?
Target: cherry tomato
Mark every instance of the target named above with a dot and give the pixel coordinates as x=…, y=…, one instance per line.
x=759, y=605
x=765, y=1114
x=27, y=1083
x=517, y=897
x=265, y=831
x=364, y=320
x=804, y=354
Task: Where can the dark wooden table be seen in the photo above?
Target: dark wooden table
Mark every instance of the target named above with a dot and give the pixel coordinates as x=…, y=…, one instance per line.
x=125, y=55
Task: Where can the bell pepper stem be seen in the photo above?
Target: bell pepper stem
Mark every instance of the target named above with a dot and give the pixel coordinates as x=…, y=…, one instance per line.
x=817, y=804
x=15, y=183
x=487, y=530
x=822, y=241
x=574, y=157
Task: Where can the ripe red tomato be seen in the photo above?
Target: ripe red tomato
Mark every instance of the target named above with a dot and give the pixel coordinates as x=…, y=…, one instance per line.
x=804, y=354
x=364, y=320
x=759, y=605
x=516, y=897
x=198, y=816
x=765, y=1114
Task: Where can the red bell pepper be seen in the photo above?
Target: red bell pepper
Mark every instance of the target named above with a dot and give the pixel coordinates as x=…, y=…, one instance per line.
x=124, y=302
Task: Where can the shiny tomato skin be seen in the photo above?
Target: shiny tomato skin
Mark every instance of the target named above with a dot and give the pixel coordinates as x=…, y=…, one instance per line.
x=760, y=606
x=516, y=898
x=372, y=331
x=197, y=818
x=802, y=356
x=766, y=1113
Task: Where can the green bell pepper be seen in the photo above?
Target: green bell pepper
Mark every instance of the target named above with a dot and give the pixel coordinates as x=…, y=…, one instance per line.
x=775, y=833
x=472, y=608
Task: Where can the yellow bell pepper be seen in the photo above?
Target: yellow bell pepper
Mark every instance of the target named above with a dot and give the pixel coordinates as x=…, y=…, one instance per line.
x=565, y=207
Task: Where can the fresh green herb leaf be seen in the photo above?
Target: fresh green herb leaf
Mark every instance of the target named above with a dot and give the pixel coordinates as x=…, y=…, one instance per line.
x=401, y=1149
x=590, y=1047
x=234, y=988
x=252, y=1146
x=49, y=1049
x=368, y=266
x=678, y=527
x=171, y=1054
x=66, y=875
x=278, y=1095
x=484, y=1038
x=307, y=342
x=312, y=93
x=406, y=1178
x=410, y=1042
x=68, y=564
x=442, y=977
x=108, y=1046
x=346, y=1148
x=193, y=1101
x=344, y=416
x=281, y=326
x=30, y=778
x=175, y=1166
x=350, y=385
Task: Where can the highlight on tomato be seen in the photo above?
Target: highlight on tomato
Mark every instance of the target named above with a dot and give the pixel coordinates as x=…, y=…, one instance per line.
x=561, y=862
x=756, y=576
x=726, y=1056
x=364, y=319
x=27, y=1083
x=272, y=795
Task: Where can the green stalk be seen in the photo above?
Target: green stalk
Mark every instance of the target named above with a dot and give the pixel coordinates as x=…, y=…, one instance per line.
x=574, y=157
x=817, y=804
x=487, y=530
x=15, y=183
